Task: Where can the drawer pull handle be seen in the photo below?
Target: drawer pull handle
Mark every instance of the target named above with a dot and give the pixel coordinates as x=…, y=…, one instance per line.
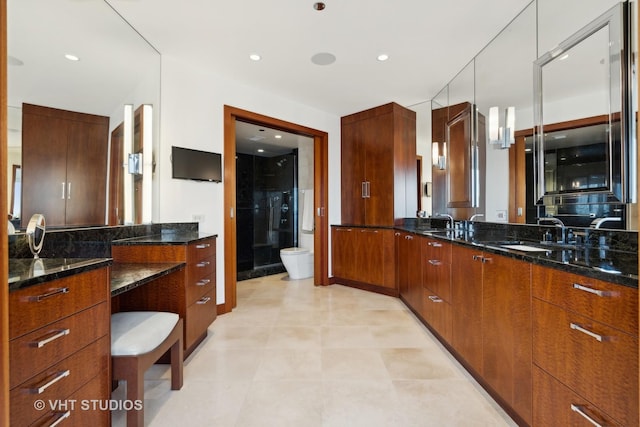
x=49, y=294
x=203, y=246
x=591, y=290
x=408, y=237
x=579, y=410
x=59, y=418
x=55, y=336
x=486, y=260
x=435, y=262
x=203, y=300
x=203, y=264
x=203, y=282
x=435, y=298
x=587, y=332
x=435, y=244
x=43, y=387
x=477, y=258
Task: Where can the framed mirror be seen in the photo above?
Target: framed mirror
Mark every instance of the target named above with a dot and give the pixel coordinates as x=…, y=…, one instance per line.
x=582, y=123
x=113, y=66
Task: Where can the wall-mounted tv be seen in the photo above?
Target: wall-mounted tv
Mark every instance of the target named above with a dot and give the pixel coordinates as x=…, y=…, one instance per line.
x=196, y=165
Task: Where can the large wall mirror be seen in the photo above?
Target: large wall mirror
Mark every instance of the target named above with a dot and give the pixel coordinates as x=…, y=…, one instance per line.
x=79, y=57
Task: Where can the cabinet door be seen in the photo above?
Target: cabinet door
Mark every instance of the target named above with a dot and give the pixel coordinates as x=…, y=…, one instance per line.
x=343, y=253
x=86, y=173
x=44, y=167
x=408, y=264
x=378, y=143
x=353, y=157
x=466, y=303
x=370, y=256
x=460, y=167
x=506, y=325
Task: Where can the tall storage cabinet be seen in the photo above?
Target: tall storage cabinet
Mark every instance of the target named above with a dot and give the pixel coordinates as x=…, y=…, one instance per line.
x=64, y=160
x=379, y=187
x=379, y=174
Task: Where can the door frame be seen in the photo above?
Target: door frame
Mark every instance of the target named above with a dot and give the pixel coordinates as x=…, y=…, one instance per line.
x=321, y=194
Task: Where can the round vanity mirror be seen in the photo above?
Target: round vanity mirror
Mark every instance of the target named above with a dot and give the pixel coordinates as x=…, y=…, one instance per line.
x=35, y=233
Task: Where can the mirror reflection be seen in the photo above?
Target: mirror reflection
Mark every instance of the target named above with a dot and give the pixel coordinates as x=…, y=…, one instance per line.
x=107, y=69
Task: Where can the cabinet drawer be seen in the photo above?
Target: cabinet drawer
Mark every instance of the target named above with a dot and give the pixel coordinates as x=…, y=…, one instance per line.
x=80, y=410
x=199, y=316
x=615, y=305
x=37, y=306
x=201, y=268
x=437, y=250
x=59, y=382
x=556, y=405
x=201, y=250
x=46, y=346
x=437, y=278
x=437, y=313
x=598, y=362
x=196, y=288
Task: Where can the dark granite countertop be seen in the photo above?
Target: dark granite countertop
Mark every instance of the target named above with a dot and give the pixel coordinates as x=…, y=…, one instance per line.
x=601, y=263
x=126, y=276
x=165, y=238
x=25, y=272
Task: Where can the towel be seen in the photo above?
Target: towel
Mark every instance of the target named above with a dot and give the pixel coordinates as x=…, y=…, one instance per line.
x=307, y=210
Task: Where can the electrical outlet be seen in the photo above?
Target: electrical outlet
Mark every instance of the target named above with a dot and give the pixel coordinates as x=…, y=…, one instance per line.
x=198, y=217
x=501, y=215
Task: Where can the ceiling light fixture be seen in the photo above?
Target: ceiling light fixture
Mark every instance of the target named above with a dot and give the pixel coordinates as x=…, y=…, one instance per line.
x=260, y=150
x=72, y=57
x=383, y=57
x=278, y=136
x=255, y=57
x=323, y=58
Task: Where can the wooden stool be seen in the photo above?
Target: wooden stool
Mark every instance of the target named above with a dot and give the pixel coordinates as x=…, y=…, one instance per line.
x=138, y=340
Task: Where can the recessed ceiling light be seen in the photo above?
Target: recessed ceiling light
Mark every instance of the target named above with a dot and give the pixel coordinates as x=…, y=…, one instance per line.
x=260, y=150
x=323, y=58
x=255, y=57
x=278, y=136
x=383, y=57
x=319, y=6
x=72, y=57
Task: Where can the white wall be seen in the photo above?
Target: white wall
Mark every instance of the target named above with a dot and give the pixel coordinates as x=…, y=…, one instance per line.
x=192, y=116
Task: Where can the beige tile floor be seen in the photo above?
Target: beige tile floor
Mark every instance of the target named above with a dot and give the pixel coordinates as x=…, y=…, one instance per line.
x=292, y=354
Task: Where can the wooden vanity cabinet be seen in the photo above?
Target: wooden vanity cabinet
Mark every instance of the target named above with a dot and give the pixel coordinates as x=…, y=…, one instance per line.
x=409, y=269
x=192, y=295
x=436, y=286
x=64, y=161
x=379, y=170
x=364, y=256
x=60, y=349
x=585, y=349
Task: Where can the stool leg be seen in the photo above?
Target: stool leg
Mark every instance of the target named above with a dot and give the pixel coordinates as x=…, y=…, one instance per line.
x=135, y=392
x=176, y=365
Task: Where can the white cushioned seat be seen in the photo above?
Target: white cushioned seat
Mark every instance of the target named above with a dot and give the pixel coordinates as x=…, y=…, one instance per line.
x=139, y=332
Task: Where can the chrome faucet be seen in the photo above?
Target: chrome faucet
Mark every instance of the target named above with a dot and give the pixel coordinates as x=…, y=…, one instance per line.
x=474, y=216
x=551, y=219
x=449, y=217
x=597, y=223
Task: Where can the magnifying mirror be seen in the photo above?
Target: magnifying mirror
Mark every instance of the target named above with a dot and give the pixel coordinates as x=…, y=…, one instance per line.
x=35, y=234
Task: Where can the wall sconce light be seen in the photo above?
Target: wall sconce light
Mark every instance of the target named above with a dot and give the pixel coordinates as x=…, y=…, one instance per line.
x=502, y=136
x=439, y=160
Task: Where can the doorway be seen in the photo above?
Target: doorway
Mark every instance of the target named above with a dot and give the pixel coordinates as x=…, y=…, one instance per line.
x=320, y=196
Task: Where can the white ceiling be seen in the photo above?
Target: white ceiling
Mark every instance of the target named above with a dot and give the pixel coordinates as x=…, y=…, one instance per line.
x=428, y=42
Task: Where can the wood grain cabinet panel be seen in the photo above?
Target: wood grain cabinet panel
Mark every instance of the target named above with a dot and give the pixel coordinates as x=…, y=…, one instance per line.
x=409, y=269
x=436, y=285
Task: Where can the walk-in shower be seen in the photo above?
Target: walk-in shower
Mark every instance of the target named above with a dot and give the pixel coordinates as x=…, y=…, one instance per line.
x=267, y=212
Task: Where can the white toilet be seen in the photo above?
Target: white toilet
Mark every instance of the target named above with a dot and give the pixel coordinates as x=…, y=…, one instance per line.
x=298, y=262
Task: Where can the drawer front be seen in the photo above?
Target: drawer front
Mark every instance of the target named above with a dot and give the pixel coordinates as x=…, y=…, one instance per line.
x=556, y=405
x=615, y=305
x=37, y=306
x=437, y=313
x=83, y=408
x=598, y=362
x=201, y=250
x=437, y=278
x=197, y=287
x=437, y=250
x=54, y=384
x=46, y=346
x=199, y=316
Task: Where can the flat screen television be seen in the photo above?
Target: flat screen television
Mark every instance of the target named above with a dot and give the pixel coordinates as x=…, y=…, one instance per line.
x=196, y=165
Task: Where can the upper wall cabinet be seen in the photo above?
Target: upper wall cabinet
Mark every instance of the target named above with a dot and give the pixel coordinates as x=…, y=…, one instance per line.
x=379, y=169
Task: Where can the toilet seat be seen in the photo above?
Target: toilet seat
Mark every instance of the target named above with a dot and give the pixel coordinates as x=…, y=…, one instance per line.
x=293, y=251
